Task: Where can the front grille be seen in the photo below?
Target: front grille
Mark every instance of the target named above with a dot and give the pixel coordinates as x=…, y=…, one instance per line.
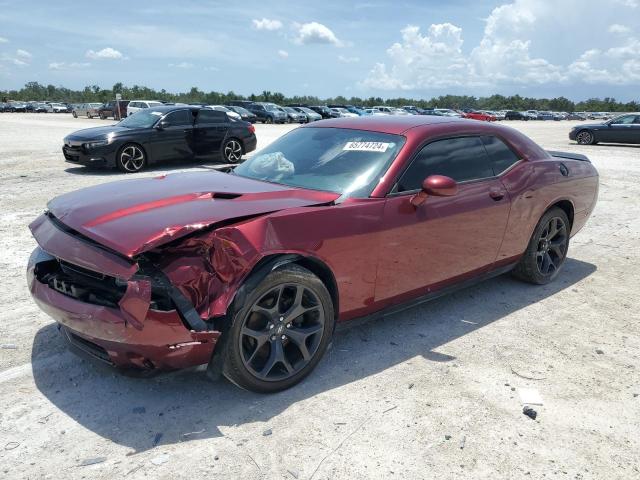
x=93, y=287
x=80, y=283
x=71, y=153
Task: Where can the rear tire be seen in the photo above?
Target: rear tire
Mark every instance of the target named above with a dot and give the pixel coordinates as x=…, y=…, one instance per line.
x=547, y=249
x=269, y=120
x=232, y=151
x=75, y=115
x=281, y=331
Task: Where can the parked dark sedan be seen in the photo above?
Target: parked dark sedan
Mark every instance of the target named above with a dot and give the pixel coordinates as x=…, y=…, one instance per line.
x=161, y=133
x=249, y=272
x=17, y=107
x=245, y=114
x=622, y=129
x=515, y=115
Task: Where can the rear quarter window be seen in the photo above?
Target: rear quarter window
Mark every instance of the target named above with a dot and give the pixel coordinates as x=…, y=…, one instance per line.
x=502, y=157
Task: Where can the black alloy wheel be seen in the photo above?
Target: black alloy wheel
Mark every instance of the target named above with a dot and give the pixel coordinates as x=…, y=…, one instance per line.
x=547, y=249
x=552, y=246
x=281, y=332
x=232, y=151
x=585, y=137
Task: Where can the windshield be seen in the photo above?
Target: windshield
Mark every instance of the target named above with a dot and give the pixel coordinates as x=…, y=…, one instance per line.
x=142, y=119
x=241, y=111
x=271, y=108
x=308, y=110
x=345, y=161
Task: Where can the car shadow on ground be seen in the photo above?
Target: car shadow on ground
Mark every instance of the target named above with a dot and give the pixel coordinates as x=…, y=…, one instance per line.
x=142, y=413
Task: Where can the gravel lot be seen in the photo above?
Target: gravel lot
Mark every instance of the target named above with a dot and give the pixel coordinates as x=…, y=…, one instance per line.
x=432, y=392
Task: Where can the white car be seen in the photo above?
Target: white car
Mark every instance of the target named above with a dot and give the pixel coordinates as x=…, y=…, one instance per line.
x=532, y=114
x=383, y=109
x=343, y=112
x=58, y=108
x=374, y=111
x=447, y=112
x=137, y=105
x=400, y=111
x=230, y=113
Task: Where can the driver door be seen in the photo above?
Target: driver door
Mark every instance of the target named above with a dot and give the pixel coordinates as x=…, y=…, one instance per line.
x=446, y=239
x=175, y=139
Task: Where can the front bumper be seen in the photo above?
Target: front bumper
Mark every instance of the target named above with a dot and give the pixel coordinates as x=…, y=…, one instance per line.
x=100, y=157
x=157, y=340
x=572, y=135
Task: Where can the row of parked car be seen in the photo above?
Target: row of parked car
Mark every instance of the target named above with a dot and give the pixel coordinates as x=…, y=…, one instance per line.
x=35, y=107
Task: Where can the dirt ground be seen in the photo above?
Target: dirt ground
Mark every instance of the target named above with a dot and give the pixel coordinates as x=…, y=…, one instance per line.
x=432, y=392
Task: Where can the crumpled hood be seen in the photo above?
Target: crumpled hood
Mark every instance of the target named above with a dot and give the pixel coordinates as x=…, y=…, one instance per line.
x=134, y=216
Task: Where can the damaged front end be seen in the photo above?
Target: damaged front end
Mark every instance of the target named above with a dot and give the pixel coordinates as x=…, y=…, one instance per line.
x=123, y=312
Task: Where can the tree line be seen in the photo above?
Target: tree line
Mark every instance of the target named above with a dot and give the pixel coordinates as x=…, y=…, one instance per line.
x=94, y=93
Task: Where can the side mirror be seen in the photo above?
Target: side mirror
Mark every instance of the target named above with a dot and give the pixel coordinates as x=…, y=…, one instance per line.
x=162, y=125
x=437, y=186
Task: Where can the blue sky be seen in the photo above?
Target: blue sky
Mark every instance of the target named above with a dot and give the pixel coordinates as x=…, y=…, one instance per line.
x=575, y=48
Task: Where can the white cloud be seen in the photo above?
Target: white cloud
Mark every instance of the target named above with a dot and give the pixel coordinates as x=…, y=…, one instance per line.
x=423, y=61
x=510, y=52
x=344, y=59
x=105, y=53
x=23, y=54
x=315, y=32
x=283, y=54
x=181, y=65
x=3, y=40
x=629, y=3
x=267, y=24
x=617, y=28
x=68, y=66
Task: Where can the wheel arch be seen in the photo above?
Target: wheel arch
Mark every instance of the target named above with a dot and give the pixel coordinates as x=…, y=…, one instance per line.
x=272, y=262
x=565, y=205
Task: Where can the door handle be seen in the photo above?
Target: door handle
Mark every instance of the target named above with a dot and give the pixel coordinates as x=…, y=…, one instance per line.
x=497, y=194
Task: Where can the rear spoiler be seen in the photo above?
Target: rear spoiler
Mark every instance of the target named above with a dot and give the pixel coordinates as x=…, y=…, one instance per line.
x=569, y=155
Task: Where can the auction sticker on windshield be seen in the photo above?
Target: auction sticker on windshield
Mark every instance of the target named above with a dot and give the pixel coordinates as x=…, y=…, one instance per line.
x=367, y=146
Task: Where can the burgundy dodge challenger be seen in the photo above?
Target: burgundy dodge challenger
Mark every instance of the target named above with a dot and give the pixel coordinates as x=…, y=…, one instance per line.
x=250, y=271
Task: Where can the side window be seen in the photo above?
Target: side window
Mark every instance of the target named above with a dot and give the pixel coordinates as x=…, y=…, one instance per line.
x=462, y=159
x=211, y=116
x=502, y=157
x=637, y=120
x=179, y=117
x=626, y=120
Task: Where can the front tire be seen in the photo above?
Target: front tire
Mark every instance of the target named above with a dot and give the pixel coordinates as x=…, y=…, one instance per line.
x=232, y=151
x=547, y=249
x=585, y=137
x=75, y=115
x=131, y=158
x=89, y=115
x=280, y=333
x=269, y=120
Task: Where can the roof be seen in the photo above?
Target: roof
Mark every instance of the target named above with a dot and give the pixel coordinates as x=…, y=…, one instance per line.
x=386, y=124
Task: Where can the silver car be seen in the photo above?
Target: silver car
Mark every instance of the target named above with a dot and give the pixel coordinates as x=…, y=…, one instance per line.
x=89, y=110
